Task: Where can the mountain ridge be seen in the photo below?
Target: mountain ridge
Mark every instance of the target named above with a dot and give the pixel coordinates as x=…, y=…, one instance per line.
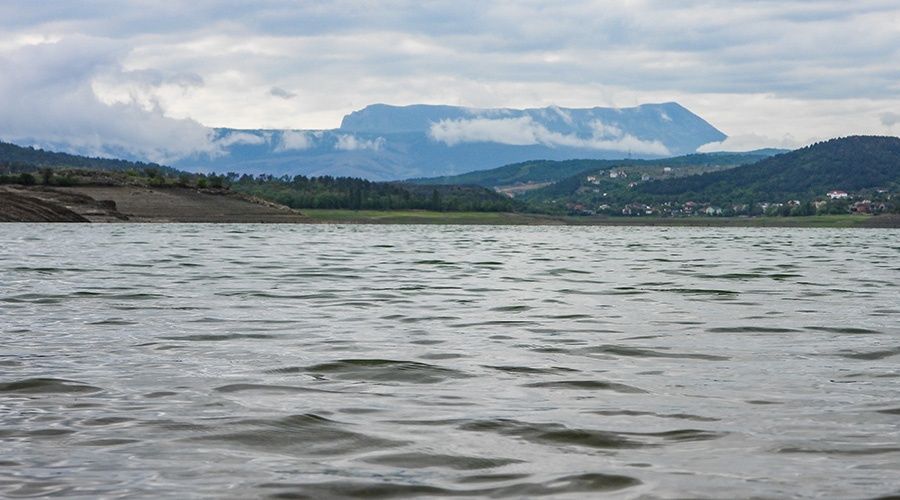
x=386, y=142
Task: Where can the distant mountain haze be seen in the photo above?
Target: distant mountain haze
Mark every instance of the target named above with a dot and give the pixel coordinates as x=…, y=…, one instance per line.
x=382, y=142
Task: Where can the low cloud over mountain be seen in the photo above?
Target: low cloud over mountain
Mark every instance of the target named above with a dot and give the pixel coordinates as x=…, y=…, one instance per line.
x=389, y=142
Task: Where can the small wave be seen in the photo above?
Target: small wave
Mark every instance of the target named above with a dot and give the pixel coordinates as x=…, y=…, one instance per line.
x=423, y=460
x=698, y=291
x=495, y=323
x=751, y=329
x=300, y=435
x=649, y=353
x=105, y=421
x=632, y=413
x=516, y=308
x=871, y=355
x=581, y=483
x=113, y=322
x=873, y=450
x=278, y=389
x=844, y=329
x=219, y=338
x=531, y=370
x=385, y=370
x=555, y=434
x=46, y=386
x=558, y=434
x=107, y=442
x=593, y=385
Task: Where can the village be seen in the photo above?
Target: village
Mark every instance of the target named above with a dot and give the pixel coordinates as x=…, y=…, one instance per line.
x=591, y=200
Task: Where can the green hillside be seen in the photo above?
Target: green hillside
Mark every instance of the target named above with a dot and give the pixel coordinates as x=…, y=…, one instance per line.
x=544, y=171
x=16, y=159
x=865, y=167
x=849, y=164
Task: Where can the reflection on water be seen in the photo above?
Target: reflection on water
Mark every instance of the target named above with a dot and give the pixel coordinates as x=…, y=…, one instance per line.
x=323, y=361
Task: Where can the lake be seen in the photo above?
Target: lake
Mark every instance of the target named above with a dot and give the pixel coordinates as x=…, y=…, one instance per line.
x=236, y=361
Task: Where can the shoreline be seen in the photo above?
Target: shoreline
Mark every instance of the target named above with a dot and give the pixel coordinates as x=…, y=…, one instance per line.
x=141, y=204
x=372, y=217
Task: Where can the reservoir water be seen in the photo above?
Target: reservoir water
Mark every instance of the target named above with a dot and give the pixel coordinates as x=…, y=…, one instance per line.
x=242, y=361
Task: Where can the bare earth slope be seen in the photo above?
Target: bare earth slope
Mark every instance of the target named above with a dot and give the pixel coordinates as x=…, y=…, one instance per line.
x=19, y=207
x=136, y=204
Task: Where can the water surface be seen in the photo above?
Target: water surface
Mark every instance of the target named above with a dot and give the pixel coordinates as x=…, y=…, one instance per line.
x=325, y=361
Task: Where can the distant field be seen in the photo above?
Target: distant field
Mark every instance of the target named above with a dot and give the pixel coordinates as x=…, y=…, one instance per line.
x=495, y=218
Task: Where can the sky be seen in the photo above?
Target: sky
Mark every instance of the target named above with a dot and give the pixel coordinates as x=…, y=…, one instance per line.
x=147, y=77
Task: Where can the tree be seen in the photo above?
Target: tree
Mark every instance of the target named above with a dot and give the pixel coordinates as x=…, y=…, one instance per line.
x=46, y=175
x=435, y=200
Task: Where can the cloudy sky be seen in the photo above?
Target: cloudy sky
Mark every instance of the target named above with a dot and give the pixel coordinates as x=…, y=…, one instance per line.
x=147, y=77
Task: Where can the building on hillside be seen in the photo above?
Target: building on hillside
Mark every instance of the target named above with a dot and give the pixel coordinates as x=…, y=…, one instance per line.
x=863, y=207
x=837, y=195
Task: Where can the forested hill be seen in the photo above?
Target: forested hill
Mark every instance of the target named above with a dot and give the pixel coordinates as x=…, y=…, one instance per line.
x=14, y=159
x=544, y=171
x=848, y=164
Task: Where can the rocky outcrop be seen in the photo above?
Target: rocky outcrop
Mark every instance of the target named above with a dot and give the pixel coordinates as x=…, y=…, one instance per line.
x=17, y=207
x=137, y=204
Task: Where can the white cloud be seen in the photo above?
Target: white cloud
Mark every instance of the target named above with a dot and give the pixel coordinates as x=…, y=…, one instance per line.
x=521, y=131
x=603, y=130
x=240, y=138
x=751, y=142
x=833, y=61
x=524, y=131
x=47, y=99
x=346, y=142
x=564, y=115
x=295, y=140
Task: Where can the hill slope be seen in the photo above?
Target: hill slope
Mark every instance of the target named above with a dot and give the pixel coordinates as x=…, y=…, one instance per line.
x=851, y=164
x=14, y=158
x=543, y=171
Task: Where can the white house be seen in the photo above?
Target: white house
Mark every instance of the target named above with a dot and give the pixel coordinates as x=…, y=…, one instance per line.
x=837, y=195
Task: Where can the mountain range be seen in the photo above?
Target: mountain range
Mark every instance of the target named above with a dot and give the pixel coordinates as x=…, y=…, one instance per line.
x=383, y=142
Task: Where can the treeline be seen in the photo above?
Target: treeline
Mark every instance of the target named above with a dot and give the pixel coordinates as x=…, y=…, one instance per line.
x=30, y=175
x=359, y=194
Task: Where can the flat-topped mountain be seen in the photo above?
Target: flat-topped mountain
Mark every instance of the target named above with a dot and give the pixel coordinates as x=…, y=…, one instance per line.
x=383, y=142
x=650, y=129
